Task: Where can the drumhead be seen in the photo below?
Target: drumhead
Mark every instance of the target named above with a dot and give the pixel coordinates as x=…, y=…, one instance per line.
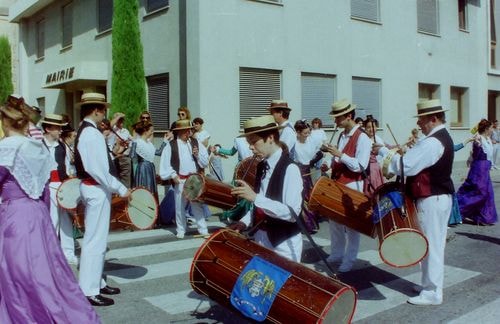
x=403, y=248
x=341, y=308
x=142, y=208
x=68, y=194
x=193, y=187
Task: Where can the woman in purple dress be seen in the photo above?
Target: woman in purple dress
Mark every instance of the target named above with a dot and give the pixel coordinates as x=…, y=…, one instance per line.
x=476, y=197
x=36, y=283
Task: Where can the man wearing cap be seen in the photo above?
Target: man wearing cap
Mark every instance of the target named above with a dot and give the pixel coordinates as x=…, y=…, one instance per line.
x=428, y=167
x=99, y=179
x=281, y=112
x=181, y=157
x=349, y=161
x=278, y=192
x=52, y=125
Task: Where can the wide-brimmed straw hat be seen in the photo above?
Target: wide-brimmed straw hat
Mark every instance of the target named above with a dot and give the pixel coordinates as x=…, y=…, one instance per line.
x=279, y=104
x=54, y=119
x=93, y=98
x=428, y=107
x=182, y=124
x=259, y=124
x=342, y=107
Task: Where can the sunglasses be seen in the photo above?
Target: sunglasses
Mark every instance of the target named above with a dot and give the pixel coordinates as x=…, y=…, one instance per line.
x=145, y=117
x=181, y=114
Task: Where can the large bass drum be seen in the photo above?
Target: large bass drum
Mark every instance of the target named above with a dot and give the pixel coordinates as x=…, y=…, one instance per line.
x=138, y=212
x=306, y=297
x=344, y=205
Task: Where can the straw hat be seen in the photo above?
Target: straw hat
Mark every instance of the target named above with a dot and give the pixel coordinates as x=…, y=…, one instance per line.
x=279, y=104
x=259, y=124
x=341, y=107
x=54, y=119
x=182, y=124
x=428, y=107
x=93, y=98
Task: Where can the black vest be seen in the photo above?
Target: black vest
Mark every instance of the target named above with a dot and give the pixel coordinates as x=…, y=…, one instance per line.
x=436, y=179
x=277, y=230
x=174, y=157
x=80, y=169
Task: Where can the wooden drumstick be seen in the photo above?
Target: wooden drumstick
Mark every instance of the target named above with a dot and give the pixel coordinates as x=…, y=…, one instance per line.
x=393, y=137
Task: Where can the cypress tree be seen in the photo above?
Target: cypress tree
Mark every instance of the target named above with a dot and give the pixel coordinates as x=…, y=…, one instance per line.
x=6, y=86
x=128, y=82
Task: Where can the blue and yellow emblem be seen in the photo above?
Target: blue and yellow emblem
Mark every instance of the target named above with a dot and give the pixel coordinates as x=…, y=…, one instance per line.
x=257, y=285
x=387, y=203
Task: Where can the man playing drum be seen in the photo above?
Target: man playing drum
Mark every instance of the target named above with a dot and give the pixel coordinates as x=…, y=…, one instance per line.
x=181, y=157
x=51, y=125
x=428, y=167
x=278, y=191
x=349, y=160
x=99, y=179
x=281, y=112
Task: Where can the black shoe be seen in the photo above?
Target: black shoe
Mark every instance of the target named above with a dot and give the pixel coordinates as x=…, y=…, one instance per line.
x=107, y=290
x=99, y=300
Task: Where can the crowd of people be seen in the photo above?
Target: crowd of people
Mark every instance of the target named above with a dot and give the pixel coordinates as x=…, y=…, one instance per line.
x=111, y=160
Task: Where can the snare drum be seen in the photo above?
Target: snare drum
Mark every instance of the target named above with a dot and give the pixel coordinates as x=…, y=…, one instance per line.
x=306, y=297
x=68, y=194
x=140, y=212
x=209, y=191
x=401, y=242
x=342, y=204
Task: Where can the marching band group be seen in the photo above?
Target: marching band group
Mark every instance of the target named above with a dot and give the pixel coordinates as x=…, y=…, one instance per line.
x=36, y=282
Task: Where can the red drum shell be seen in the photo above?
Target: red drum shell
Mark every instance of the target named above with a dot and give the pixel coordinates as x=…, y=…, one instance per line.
x=306, y=297
x=246, y=170
x=209, y=191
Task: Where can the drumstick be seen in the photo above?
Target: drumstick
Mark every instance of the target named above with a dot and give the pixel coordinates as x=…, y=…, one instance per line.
x=312, y=172
x=393, y=137
x=333, y=134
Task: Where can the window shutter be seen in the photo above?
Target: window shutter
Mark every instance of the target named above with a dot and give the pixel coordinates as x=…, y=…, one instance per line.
x=153, y=5
x=67, y=32
x=365, y=9
x=317, y=97
x=158, y=101
x=105, y=15
x=257, y=88
x=366, y=96
x=427, y=16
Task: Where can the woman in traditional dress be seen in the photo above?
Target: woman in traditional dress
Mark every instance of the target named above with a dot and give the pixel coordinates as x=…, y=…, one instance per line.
x=36, y=283
x=306, y=155
x=144, y=151
x=374, y=177
x=476, y=197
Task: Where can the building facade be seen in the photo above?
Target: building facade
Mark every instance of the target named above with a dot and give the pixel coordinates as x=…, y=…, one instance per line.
x=226, y=59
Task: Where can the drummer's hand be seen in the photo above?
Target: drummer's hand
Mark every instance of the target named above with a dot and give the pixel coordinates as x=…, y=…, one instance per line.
x=243, y=190
x=237, y=226
x=324, y=167
x=333, y=150
x=376, y=147
x=176, y=180
x=128, y=194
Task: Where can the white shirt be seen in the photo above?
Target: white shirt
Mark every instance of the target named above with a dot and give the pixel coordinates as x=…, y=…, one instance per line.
x=202, y=135
x=124, y=135
x=93, y=151
x=422, y=155
x=145, y=149
x=70, y=168
x=186, y=163
x=305, y=152
x=52, y=151
x=292, y=192
x=363, y=149
x=318, y=137
x=288, y=135
x=243, y=148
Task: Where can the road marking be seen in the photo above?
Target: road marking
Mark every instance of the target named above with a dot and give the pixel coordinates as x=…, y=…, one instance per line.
x=181, y=302
x=488, y=313
x=151, y=271
x=152, y=249
x=390, y=294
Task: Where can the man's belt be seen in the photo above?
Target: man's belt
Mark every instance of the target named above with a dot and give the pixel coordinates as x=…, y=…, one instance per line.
x=90, y=182
x=54, y=176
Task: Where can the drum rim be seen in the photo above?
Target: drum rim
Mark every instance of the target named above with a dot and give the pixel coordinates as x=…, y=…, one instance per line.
x=200, y=193
x=156, y=209
x=59, y=188
x=404, y=230
x=199, y=251
x=334, y=298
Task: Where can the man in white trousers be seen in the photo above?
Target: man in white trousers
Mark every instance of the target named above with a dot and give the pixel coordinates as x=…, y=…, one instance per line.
x=99, y=179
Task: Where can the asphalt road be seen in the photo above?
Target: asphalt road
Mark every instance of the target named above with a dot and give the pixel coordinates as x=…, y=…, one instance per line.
x=152, y=269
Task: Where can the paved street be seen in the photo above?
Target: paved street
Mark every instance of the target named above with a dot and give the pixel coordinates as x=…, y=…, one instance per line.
x=152, y=269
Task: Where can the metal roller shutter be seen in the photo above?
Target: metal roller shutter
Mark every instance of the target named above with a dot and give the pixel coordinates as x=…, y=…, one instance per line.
x=366, y=95
x=365, y=9
x=158, y=102
x=318, y=94
x=427, y=16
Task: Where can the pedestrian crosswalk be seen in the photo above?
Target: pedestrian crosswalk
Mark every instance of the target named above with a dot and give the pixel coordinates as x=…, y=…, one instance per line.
x=163, y=257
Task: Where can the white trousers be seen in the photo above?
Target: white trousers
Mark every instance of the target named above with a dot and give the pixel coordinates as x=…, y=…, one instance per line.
x=345, y=241
x=97, y=212
x=290, y=249
x=180, y=212
x=433, y=213
x=62, y=222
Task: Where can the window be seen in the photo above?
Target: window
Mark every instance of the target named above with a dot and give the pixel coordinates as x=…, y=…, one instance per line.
x=428, y=91
x=366, y=9
x=458, y=105
x=40, y=39
x=257, y=88
x=158, y=101
x=40, y=101
x=427, y=16
x=318, y=94
x=152, y=5
x=462, y=14
x=67, y=25
x=366, y=96
x=493, y=33
x=105, y=15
